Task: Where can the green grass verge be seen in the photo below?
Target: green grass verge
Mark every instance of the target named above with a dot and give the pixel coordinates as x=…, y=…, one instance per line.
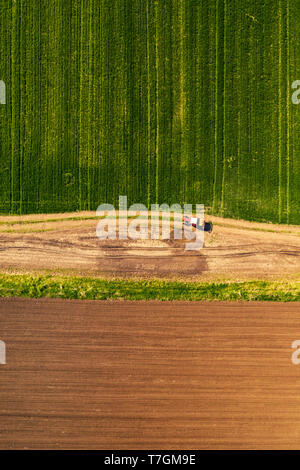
x=102, y=289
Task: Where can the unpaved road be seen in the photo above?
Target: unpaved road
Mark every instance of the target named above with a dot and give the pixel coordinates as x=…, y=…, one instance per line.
x=64, y=244
x=137, y=375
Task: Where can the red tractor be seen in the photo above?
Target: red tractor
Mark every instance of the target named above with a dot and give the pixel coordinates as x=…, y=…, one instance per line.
x=195, y=222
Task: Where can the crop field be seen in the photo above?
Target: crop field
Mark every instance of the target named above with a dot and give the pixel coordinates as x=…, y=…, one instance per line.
x=168, y=101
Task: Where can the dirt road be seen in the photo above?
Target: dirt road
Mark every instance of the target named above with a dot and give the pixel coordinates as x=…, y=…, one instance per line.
x=67, y=244
x=121, y=375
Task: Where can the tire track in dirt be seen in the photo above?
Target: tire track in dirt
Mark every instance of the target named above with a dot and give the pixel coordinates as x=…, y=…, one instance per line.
x=239, y=251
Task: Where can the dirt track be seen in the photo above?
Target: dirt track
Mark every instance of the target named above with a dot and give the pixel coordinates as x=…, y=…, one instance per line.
x=236, y=250
x=121, y=375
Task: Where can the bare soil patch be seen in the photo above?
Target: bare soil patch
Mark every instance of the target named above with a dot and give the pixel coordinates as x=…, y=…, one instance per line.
x=148, y=375
x=62, y=243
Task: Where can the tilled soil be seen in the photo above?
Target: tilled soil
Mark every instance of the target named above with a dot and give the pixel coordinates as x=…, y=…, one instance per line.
x=149, y=375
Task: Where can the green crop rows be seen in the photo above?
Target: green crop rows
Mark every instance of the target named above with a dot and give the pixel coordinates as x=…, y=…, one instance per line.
x=185, y=101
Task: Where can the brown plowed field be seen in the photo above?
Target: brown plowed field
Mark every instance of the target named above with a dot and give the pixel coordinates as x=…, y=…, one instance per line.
x=149, y=375
x=236, y=250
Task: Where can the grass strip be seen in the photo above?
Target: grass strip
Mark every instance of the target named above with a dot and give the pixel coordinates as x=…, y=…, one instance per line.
x=13, y=285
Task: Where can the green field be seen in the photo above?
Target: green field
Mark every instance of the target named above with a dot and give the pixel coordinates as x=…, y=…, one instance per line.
x=166, y=101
